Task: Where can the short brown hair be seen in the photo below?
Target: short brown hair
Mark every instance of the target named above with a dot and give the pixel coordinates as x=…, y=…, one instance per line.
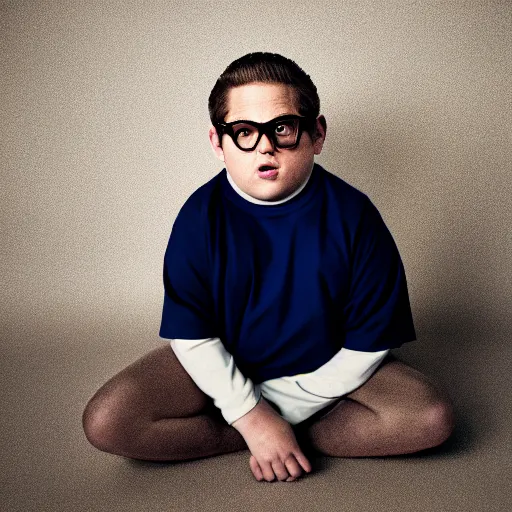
x=268, y=68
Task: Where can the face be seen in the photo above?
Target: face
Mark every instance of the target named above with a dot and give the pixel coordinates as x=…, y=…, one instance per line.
x=261, y=102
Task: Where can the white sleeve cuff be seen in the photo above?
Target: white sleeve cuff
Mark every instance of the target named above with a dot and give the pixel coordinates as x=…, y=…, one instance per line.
x=213, y=370
x=342, y=374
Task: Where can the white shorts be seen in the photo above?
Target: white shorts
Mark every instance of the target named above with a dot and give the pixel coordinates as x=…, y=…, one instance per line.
x=292, y=401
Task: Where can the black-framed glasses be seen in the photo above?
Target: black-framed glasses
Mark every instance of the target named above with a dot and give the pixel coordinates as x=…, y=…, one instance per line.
x=283, y=131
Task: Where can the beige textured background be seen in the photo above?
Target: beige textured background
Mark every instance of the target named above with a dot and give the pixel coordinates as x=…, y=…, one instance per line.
x=104, y=136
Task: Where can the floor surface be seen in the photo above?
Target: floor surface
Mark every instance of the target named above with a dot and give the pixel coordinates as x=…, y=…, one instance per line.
x=50, y=369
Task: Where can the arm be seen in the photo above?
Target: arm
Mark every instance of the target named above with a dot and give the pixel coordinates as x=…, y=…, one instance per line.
x=269, y=437
x=345, y=372
x=213, y=370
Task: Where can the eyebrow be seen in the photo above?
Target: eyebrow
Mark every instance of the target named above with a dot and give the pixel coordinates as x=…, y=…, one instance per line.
x=276, y=117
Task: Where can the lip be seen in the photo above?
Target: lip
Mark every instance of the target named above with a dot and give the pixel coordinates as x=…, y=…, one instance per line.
x=268, y=174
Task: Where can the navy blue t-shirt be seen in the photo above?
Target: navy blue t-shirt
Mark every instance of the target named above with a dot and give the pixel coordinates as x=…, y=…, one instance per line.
x=285, y=286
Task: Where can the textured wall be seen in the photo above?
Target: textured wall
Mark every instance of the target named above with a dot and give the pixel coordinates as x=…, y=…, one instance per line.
x=104, y=136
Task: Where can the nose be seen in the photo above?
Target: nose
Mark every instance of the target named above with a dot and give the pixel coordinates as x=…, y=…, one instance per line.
x=265, y=144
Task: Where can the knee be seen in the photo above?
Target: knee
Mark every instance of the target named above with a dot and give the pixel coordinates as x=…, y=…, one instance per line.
x=437, y=422
x=106, y=423
x=99, y=426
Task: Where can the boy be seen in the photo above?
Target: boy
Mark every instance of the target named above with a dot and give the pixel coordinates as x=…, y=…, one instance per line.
x=284, y=293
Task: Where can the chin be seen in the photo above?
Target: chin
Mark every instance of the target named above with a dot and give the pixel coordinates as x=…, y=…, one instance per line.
x=275, y=197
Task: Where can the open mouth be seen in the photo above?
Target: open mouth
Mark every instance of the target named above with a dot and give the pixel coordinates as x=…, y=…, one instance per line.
x=267, y=171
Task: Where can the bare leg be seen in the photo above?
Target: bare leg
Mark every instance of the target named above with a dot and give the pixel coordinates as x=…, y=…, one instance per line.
x=153, y=410
x=398, y=410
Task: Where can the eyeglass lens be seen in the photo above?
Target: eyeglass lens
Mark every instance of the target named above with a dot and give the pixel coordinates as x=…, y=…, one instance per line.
x=284, y=133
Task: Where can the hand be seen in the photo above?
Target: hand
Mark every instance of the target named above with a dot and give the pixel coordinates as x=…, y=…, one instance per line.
x=272, y=443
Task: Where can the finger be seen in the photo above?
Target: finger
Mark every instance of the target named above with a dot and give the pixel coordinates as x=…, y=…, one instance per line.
x=266, y=469
x=303, y=461
x=255, y=468
x=280, y=470
x=293, y=467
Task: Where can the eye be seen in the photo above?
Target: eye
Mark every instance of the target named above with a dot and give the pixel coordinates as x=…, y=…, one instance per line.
x=284, y=129
x=242, y=131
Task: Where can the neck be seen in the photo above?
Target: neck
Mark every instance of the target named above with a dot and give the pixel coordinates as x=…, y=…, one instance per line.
x=268, y=203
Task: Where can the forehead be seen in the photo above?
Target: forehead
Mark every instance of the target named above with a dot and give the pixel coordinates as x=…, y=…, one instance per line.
x=260, y=102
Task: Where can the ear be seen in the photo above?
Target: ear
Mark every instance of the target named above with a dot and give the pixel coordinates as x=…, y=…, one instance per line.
x=321, y=132
x=215, y=143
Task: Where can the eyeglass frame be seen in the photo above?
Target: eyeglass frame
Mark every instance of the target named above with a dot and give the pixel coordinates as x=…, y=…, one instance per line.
x=266, y=129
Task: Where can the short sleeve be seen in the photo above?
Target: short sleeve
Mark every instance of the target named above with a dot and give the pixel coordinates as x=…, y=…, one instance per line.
x=377, y=314
x=188, y=306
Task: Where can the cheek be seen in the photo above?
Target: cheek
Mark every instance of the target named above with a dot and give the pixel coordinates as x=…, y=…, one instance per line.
x=239, y=162
x=302, y=158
